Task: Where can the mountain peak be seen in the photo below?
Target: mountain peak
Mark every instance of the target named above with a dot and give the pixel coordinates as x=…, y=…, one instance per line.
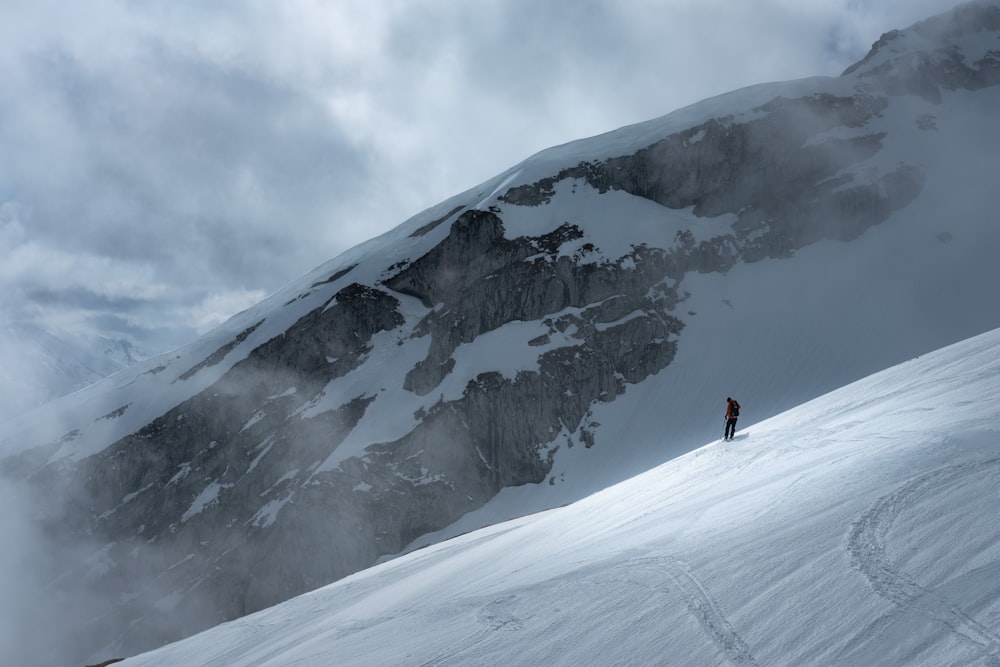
x=963, y=43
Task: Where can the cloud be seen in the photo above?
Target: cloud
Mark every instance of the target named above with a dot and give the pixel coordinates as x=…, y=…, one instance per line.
x=161, y=152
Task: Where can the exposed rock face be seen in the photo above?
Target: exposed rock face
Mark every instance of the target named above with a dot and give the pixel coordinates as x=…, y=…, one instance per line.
x=186, y=493
x=521, y=279
x=203, y=495
x=526, y=279
x=787, y=187
x=253, y=491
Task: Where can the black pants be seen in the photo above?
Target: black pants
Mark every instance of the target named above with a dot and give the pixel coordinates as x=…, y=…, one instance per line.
x=730, y=429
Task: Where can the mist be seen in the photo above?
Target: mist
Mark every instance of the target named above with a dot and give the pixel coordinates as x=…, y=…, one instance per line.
x=54, y=611
x=112, y=555
x=78, y=587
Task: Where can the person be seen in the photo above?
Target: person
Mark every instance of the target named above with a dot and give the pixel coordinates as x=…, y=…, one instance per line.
x=732, y=413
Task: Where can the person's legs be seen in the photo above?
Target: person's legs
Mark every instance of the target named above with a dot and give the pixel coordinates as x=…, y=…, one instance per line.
x=730, y=428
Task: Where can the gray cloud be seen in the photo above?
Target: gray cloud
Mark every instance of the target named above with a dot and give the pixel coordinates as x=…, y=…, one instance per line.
x=174, y=162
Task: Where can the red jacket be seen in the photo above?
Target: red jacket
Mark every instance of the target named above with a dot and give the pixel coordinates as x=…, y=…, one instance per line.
x=729, y=409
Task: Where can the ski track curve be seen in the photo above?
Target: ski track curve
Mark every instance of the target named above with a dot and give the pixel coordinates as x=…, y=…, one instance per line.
x=866, y=545
x=702, y=606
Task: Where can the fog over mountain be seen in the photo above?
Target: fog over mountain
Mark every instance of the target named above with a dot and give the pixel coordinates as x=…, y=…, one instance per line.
x=168, y=164
x=572, y=322
x=50, y=364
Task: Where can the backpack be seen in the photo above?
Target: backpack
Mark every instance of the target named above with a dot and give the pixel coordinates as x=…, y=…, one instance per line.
x=735, y=410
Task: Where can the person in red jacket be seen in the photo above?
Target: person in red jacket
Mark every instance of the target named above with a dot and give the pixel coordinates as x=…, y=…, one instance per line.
x=732, y=413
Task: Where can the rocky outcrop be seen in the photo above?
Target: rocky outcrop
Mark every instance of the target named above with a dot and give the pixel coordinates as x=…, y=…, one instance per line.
x=622, y=331
x=786, y=184
x=522, y=279
x=926, y=73
x=188, y=502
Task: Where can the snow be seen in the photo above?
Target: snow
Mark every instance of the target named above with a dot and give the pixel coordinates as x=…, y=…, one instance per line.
x=856, y=529
x=738, y=106
x=504, y=350
x=256, y=417
x=268, y=514
x=498, y=189
x=262, y=450
x=206, y=498
x=393, y=412
x=183, y=470
x=580, y=204
x=129, y=497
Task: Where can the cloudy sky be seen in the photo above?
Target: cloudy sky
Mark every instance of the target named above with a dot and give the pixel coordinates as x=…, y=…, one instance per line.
x=166, y=163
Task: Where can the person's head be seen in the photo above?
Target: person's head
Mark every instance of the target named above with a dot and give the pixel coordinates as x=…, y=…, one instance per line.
x=728, y=399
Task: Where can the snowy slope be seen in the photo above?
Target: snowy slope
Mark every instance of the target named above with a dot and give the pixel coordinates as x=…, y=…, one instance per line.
x=857, y=529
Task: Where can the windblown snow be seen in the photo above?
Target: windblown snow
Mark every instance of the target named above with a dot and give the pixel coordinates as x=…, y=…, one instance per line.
x=857, y=529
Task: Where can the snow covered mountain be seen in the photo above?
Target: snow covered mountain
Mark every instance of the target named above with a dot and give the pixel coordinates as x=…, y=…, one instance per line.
x=572, y=322
x=859, y=529
x=38, y=365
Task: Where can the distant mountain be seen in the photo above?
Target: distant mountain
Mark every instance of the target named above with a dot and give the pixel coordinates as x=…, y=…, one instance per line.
x=573, y=321
x=39, y=364
x=868, y=544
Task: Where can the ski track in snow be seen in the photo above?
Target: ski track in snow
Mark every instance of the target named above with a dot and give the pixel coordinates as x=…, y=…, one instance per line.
x=701, y=605
x=500, y=615
x=496, y=616
x=867, y=547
